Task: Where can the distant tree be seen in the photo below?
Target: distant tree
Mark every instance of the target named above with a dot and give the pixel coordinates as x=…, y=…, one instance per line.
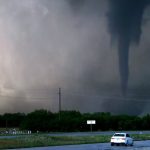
x=12, y=120
x=2, y=121
x=70, y=121
x=146, y=122
x=43, y=120
x=39, y=120
x=137, y=123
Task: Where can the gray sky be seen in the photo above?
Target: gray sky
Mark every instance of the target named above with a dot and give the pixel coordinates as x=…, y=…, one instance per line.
x=47, y=44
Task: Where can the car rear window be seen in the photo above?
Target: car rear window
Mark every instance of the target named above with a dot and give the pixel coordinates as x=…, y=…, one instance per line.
x=119, y=135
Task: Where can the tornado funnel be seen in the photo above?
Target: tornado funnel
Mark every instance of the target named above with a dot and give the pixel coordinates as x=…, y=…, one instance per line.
x=125, y=23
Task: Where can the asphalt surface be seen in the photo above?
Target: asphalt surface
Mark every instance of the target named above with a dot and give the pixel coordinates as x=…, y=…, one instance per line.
x=138, y=145
x=96, y=133
x=81, y=133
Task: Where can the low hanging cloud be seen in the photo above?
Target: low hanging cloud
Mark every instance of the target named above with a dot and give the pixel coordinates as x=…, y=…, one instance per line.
x=65, y=43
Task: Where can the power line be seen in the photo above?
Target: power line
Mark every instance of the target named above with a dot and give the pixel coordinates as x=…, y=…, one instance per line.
x=101, y=97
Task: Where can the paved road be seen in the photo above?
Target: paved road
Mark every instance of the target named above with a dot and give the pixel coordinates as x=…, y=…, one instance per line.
x=96, y=133
x=82, y=133
x=138, y=145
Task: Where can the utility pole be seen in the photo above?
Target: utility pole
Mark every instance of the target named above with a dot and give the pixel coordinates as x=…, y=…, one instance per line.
x=59, y=94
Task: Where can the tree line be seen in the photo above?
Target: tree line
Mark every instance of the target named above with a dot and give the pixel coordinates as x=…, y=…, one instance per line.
x=69, y=121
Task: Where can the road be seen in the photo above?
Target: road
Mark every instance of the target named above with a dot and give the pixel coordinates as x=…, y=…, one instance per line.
x=82, y=133
x=138, y=145
x=96, y=133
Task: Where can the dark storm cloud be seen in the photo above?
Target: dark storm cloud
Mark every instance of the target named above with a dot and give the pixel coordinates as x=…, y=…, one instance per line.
x=50, y=44
x=47, y=44
x=125, y=26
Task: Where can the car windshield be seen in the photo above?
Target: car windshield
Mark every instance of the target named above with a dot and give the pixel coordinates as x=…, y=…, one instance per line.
x=119, y=134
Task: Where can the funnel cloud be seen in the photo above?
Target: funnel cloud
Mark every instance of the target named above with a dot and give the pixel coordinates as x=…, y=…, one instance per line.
x=47, y=44
x=125, y=25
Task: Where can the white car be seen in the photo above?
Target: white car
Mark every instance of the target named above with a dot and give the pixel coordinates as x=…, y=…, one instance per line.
x=121, y=139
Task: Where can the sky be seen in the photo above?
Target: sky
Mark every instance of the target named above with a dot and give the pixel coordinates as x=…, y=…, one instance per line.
x=74, y=45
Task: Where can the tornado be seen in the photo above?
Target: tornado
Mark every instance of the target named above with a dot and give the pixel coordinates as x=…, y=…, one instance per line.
x=125, y=27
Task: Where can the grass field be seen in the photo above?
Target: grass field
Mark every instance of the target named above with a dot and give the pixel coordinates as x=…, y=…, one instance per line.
x=45, y=140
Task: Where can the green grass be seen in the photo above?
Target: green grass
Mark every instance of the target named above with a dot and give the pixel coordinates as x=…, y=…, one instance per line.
x=141, y=137
x=45, y=140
